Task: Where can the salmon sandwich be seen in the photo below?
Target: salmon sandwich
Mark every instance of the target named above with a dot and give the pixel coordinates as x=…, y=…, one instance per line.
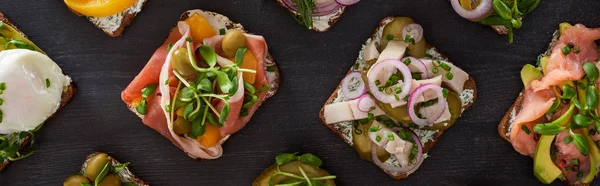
x=204, y=83
x=398, y=98
x=555, y=120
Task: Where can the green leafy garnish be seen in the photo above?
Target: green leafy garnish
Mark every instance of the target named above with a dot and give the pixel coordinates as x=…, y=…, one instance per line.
x=310, y=159
x=305, y=8
x=581, y=143
x=102, y=174
x=47, y=82
x=120, y=167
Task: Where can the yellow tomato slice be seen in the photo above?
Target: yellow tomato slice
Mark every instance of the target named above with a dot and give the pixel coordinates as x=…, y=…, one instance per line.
x=249, y=63
x=211, y=136
x=199, y=27
x=99, y=8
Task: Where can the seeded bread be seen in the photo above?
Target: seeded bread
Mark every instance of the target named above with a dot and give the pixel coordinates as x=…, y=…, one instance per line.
x=66, y=96
x=126, y=175
x=469, y=84
x=273, y=77
x=115, y=25
x=320, y=23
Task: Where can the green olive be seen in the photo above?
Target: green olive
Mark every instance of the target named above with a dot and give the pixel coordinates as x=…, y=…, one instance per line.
x=76, y=180
x=182, y=126
x=111, y=180
x=181, y=62
x=232, y=41
x=292, y=167
x=395, y=28
x=96, y=164
x=362, y=143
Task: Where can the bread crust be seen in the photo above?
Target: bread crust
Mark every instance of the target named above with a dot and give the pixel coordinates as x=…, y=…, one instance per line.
x=469, y=84
x=274, y=83
x=127, y=19
x=114, y=161
x=66, y=96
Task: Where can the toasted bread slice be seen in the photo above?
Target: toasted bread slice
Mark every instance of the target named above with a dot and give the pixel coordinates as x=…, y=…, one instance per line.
x=66, y=97
x=339, y=131
x=320, y=23
x=115, y=25
x=273, y=76
x=515, y=108
x=126, y=174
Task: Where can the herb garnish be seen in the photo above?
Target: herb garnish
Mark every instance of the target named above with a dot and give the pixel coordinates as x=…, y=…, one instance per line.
x=305, y=8
x=47, y=83
x=303, y=179
x=509, y=13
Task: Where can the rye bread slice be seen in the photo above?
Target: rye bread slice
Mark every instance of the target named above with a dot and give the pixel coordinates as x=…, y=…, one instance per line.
x=515, y=108
x=469, y=84
x=324, y=23
x=273, y=77
x=121, y=20
x=126, y=175
x=66, y=96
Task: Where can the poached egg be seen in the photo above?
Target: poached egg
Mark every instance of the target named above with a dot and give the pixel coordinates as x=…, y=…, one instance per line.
x=34, y=87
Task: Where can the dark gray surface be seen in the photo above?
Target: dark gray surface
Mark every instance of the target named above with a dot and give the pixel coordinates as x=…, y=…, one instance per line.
x=312, y=64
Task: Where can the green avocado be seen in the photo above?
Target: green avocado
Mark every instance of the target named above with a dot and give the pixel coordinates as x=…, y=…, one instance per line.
x=8, y=34
x=529, y=73
x=543, y=167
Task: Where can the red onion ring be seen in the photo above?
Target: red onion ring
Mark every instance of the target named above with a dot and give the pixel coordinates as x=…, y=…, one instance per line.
x=414, y=30
x=394, y=169
x=347, y=2
x=321, y=8
x=417, y=65
x=365, y=103
x=376, y=69
x=360, y=88
x=480, y=12
x=433, y=116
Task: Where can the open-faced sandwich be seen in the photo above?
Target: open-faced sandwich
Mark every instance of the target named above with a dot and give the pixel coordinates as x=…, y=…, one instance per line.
x=294, y=169
x=398, y=98
x=502, y=15
x=318, y=15
x=555, y=120
x=112, y=16
x=204, y=83
x=100, y=169
x=32, y=89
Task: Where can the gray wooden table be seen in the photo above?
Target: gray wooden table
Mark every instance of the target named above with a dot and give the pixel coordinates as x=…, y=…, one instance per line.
x=312, y=64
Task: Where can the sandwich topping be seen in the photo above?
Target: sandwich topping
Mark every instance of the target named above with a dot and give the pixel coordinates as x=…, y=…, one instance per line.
x=31, y=88
x=397, y=97
x=502, y=15
x=206, y=84
x=317, y=14
x=294, y=169
x=557, y=122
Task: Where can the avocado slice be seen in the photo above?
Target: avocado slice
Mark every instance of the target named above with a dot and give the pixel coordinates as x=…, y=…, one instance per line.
x=544, y=63
x=529, y=73
x=563, y=26
x=543, y=167
x=7, y=33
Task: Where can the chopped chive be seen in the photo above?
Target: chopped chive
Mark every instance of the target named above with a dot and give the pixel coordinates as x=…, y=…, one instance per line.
x=167, y=82
x=189, y=39
x=575, y=161
x=377, y=83
x=3, y=86
x=375, y=128
x=449, y=76
x=389, y=37
x=416, y=75
x=271, y=68
x=579, y=174
x=525, y=129
x=1, y=116
x=398, y=90
x=378, y=139
x=370, y=109
x=576, y=50
x=1, y=101
x=445, y=92
x=566, y=50
x=371, y=116
x=47, y=82
x=390, y=137
x=407, y=61
x=222, y=31
x=169, y=46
